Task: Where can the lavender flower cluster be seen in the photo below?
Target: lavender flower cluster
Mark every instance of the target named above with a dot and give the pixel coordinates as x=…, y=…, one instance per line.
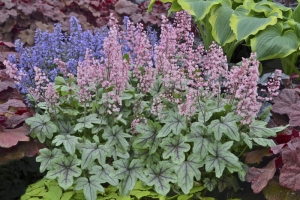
x=69, y=48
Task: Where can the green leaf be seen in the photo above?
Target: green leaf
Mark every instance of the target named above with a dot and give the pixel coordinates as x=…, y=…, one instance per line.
x=175, y=147
x=198, y=8
x=264, y=142
x=104, y=173
x=41, y=126
x=116, y=136
x=87, y=122
x=128, y=173
x=47, y=156
x=274, y=42
x=117, y=153
x=210, y=184
x=65, y=128
x=64, y=169
x=259, y=129
x=196, y=136
x=67, y=195
x=148, y=136
x=91, y=152
x=145, y=157
x=60, y=81
x=220, y=22
x=244, y=26
x=226, y=125
x=220, y=158
x=68, y=141
x=160, y=176
x=187, y=171
x=173, y=123
x=90, y=187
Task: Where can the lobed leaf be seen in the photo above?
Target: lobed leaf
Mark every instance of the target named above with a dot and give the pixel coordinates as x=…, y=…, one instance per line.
x=41, y=126
x=116, y=136
x=104, y=173
x=175, y=147
x=68, y=141
x=90, y=186
x=173, y=123
x=91, y=152
x=65, y=169
x=47, y=156
x=160, y=176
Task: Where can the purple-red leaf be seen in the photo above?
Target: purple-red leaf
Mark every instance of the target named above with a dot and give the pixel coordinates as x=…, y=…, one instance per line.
x=11, y=103
x=4, y=84
x=294, y=114
x=259, y=177
x=290, y=172
x=125, y=7
x=10, y=137
x=283, y=102
x=256, y=156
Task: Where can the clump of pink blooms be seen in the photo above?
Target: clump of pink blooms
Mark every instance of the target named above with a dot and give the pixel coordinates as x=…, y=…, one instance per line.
x=272, y=85
x=41, y=82
x=187, y=73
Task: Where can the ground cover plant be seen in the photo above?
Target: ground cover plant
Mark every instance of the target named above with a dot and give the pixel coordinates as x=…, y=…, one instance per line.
x=265, y=26
x=119, y=120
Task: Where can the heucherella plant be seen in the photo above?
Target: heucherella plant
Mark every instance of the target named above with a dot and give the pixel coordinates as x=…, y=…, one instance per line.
x=52, y=48
x=120, y=120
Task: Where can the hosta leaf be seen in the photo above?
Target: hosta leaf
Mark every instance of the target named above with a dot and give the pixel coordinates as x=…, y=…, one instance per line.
x=47, y=156
x=87, y=122
x=41, y=127
x=226, y=125
x=220, y=158
x=91, y=152
x=65, y=169
x=274, y=42
x=220, y=21
x=148, y=136
x=89, y=186
x=187, y=171
x=68, y=141
x=116, y=136
x=104, y=173
x=259, y=129
x=128, y=173
x=173, y=123
x=198, y=8
x=196, y=136
x=175, y=147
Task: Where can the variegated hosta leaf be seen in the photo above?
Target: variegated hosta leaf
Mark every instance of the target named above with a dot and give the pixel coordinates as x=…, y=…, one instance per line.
x=128, y=173
x=89, y=186
x=175, y=147
x=47, y=156
x=148, y=136
x=91, y=152
x=200, y=146
x=198, y=8
x=68, y=141
x=160, y=176
x=274, y=42
x=65, y=169
x=220, y=158
x=173, y=123
x=41, y=127
x=116, y=136
x=104, y=173
x=187, y=171
x=227, y=125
